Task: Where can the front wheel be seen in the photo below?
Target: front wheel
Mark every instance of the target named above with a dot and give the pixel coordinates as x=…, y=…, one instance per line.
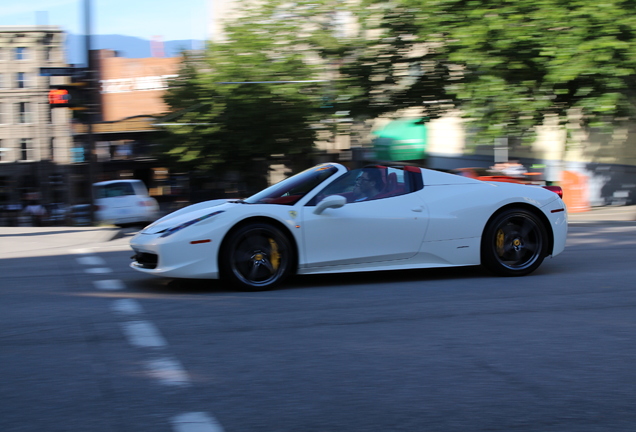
x=515, y=243
x=256, y=257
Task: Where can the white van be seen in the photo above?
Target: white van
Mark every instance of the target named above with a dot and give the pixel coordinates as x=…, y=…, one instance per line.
x=123, y=202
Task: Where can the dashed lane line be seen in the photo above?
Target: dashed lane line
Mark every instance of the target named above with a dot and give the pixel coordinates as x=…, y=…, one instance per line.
x=127, y=307
x=195, y=422
x=143, y=334
x=91, y=260
x=109, y=285
x=168, y=371
x=97, y=270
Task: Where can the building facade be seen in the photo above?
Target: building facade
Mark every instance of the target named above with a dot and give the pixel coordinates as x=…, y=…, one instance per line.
x=133, y=86
x=130, y=97
x=35, y=140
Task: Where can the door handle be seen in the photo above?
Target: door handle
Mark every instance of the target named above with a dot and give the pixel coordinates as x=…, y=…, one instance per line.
x=418, y=209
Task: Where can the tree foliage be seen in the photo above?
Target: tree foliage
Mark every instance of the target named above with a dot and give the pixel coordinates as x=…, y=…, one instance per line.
x=220, y=126
x=507, y=64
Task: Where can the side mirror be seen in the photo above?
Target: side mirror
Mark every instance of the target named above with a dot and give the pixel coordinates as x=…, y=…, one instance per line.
x=332, y=201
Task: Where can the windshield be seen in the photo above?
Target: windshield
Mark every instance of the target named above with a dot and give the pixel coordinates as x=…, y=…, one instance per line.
x=292, y=189
x=114, y=190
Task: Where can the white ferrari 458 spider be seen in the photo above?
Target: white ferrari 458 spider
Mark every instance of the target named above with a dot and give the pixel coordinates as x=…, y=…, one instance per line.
x=329, y=219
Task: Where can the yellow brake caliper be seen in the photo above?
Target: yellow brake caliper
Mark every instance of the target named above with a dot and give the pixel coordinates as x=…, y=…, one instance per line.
x=274, y=255
x=500, y=242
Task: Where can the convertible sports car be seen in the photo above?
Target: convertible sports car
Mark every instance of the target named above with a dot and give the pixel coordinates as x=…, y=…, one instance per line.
x=329, y=219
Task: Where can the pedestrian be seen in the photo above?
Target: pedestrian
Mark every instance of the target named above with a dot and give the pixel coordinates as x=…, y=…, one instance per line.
x=36, y=212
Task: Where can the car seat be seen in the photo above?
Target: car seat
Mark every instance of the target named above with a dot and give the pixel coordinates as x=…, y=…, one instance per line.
x=391, y=187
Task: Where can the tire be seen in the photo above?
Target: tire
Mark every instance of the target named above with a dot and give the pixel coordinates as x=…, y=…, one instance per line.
x=256, y=257
x=514, y=243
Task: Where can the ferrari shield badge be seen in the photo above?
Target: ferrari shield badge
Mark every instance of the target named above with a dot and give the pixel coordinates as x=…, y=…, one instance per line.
x=293, y=214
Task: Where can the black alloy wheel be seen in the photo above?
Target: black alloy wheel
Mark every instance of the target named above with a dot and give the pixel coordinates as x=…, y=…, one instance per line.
x=514, y=243
x=256, y=257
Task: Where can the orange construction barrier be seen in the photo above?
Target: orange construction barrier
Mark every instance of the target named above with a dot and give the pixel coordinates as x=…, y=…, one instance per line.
x=575, y=191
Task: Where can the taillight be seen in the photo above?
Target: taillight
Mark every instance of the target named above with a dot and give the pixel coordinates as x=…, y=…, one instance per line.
x=556, y=189
x=145, y=203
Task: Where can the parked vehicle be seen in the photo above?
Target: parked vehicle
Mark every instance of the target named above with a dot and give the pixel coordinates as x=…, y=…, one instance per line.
x=124, y=202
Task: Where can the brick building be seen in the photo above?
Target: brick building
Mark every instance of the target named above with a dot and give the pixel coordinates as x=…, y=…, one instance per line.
x=131, y=99
x=133, y=86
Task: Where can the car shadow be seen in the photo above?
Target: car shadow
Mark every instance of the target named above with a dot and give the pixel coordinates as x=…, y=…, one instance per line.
x=383, y=277
x=206, y=286
x=169, y=286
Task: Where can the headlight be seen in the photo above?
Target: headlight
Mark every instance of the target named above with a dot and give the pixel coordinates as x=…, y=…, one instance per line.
x=173, y=230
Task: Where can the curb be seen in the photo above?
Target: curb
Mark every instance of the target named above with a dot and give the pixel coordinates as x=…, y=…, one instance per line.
x=592, y=222
x=122, y=232
x=605, y=214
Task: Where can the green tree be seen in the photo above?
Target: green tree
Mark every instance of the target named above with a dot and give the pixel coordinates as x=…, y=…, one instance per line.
x=507, y=64
x=221, y=127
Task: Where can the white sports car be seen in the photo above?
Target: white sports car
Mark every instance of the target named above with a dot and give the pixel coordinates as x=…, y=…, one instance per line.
x=329, y=219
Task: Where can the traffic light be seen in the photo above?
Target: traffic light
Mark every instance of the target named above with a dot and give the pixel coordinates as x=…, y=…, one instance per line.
x=73, y=96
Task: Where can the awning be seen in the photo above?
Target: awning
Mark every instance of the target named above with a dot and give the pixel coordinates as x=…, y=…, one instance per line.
x=401, y=140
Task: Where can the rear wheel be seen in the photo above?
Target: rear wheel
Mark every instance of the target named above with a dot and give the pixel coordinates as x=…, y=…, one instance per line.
x=515, y=243
x=256, y=257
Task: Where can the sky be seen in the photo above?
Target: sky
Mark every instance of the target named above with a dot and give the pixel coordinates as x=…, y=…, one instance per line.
x=169, y=19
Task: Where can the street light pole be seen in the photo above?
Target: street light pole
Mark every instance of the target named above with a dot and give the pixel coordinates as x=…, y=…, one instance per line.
x=90, y=79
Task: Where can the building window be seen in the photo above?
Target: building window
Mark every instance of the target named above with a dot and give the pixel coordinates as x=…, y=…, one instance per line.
x=20, y=53
x=20, y=79
x=5, y=192
x=47, y=53
x=49, y=114
x=52, y=149
x=4, y=152
x=24, y=112
x=26, y=149
x=77, y=153
x=48, y=39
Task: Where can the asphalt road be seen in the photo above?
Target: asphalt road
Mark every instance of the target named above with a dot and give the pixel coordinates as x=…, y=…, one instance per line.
x=86, y=344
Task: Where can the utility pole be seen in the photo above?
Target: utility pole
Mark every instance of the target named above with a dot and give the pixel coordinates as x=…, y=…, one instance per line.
x=90, y=79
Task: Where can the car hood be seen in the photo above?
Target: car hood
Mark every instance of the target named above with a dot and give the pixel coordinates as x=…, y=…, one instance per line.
x=187, y=214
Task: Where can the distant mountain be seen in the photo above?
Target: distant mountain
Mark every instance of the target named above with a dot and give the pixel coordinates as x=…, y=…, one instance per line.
x=127, y=46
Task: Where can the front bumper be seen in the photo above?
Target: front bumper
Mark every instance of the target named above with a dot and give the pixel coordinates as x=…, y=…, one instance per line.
x=177, y=256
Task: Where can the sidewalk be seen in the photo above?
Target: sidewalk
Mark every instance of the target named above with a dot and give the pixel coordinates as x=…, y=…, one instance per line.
x=605, y=214
x=41, y=241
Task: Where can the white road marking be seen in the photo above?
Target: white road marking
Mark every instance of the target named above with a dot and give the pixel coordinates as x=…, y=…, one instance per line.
x=169, y=372
x=127, y=307
x=97, y=270
x=143, y=334
x=109, y=285
x=195, y=422
x=91, y=260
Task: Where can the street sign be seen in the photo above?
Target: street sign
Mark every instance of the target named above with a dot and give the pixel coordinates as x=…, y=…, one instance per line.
x=61, y=71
